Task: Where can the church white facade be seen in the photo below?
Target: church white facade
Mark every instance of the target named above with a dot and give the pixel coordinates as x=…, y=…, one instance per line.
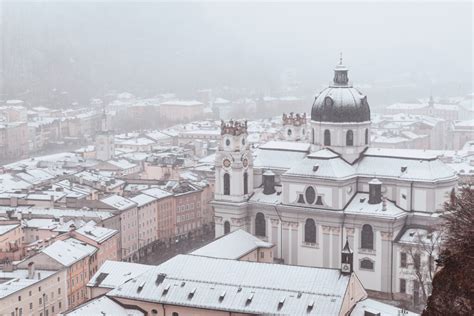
x=309, y=198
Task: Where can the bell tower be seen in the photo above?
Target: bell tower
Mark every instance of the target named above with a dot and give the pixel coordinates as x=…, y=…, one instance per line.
x=104, y=140
x=347, y=259
x=234, y=163
x=294, y=127
x=233, y=178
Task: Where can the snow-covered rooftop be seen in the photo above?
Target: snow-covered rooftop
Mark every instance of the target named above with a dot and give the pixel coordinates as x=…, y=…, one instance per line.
x=6, y=228
x=143, y=199
x=378, y=308
x=327, y=166
x=239, y=286
x=103, y=306
x=67, y=253
x=18, y=280
x=157, y=193
x=111, y=274
x=234, y=245
x=96, y=233
x=286, y=146
x=118, y=202
x=359, y=205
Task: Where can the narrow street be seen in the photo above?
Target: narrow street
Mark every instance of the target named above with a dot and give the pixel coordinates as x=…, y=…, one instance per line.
x=163, y=253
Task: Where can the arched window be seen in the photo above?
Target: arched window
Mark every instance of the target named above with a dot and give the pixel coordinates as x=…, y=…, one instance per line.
x=327, y=138
x=310, y=231
x=366, y=136
x=154, y=312
x=175, y=314
x=260, y=225
x=226, y=227
x=350, y=138
x=366, y=264
x=246, y=185
x=367, y=237
x=226, y=184
x=310, y=195
x=312, y=136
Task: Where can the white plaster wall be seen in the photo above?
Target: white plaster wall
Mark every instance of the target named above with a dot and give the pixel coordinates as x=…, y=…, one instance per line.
x=419, y=199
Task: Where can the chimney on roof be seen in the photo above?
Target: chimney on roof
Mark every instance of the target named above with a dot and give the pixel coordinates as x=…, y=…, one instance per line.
x=268, y=182
x=31, y=270
x=375, y=191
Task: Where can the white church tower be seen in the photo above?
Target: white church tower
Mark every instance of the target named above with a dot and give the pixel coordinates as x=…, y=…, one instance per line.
x=294, y=127
x=234, y=175
x=340, y=117
x=104, y=140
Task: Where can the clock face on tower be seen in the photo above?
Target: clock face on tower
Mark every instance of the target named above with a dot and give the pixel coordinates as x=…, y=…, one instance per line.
x=346, y=267
x=226, y=163
x=245, y=162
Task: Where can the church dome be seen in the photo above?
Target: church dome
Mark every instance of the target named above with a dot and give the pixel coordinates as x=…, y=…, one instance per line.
x=340, y=102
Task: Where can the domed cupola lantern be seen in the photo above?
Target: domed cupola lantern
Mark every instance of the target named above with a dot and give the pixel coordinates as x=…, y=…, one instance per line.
x=340, y=117
x=340, y=74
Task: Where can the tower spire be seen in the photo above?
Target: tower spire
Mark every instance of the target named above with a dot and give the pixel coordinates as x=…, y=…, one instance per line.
x=340, y=58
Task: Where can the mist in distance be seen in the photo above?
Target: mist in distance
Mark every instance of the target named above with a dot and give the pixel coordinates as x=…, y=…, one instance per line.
x=395, y=51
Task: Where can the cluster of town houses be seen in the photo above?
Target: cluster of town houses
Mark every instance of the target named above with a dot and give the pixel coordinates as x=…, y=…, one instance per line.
x=313, y=212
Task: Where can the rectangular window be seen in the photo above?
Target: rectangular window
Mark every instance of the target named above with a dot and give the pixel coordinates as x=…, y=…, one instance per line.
x=403, y=260
x=416, y=261
x=403, y=286
x=261, y=255
x=31, y=306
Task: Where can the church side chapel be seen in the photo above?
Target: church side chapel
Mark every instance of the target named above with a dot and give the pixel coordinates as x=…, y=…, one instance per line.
x=323, y=190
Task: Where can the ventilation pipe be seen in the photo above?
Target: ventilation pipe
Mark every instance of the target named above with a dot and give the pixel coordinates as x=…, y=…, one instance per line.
x=31, y=270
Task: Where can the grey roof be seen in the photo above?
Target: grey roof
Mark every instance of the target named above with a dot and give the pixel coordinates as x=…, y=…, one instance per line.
x=421, y=169
x=359, y=205
x=111, y=274
x=232, y=246
x=331, y=167
x=102, y=306
x=239, y=286
x=378, y=308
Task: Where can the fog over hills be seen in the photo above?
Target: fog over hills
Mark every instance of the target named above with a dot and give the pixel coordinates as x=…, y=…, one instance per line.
x=87, y=49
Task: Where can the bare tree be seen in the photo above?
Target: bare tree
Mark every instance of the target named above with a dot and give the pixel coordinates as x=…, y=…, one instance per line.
x=422, y=251
x=453, y=284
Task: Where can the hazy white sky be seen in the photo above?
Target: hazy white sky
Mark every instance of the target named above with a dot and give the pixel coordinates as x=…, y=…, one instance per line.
x=133, y=45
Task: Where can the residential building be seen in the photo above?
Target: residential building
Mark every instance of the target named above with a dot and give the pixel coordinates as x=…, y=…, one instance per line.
x=32, y=291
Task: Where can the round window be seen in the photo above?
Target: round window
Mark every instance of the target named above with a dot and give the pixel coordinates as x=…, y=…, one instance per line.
x=310, y=195
x=328, y=101
x=227, y=142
